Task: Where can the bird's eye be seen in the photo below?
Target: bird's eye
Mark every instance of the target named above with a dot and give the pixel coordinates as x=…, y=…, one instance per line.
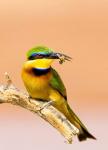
x=35, y=56
x=39, y=56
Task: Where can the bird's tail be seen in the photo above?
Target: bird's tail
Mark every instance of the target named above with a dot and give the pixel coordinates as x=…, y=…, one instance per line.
x=83, y=132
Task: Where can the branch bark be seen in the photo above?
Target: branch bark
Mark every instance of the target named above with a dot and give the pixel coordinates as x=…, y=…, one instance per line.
x=10, y=94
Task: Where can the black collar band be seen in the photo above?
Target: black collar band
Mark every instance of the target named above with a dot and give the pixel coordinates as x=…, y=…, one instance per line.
x=40, y=71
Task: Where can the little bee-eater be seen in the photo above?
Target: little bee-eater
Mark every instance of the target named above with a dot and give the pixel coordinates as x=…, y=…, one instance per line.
x=44, y=83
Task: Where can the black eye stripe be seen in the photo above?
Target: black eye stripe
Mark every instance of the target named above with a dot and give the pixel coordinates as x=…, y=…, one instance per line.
x=30, y=58
x=37, y=56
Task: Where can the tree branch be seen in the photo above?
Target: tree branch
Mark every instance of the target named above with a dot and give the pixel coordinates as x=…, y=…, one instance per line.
x=10, y=94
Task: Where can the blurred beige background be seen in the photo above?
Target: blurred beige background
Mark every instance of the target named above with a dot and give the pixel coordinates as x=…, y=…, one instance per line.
x=77, y=28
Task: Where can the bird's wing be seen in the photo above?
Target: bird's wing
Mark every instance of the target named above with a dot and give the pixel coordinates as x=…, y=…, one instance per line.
x=57, y=84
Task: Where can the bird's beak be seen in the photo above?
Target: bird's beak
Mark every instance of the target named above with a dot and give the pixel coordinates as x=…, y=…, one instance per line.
x=61, y=57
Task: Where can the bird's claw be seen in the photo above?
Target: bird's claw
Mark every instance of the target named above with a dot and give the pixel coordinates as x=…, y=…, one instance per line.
x=46, y=105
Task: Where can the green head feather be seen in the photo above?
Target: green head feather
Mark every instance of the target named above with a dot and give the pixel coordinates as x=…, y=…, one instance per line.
x=39, y=49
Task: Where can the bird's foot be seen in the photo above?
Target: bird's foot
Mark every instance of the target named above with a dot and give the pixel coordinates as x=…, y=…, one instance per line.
x=49, y=103
x=29, y=97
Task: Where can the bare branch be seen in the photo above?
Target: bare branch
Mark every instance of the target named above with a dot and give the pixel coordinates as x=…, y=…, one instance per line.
x=10, y=94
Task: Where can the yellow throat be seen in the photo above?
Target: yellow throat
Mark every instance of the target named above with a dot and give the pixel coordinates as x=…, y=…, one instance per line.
x=38, y=63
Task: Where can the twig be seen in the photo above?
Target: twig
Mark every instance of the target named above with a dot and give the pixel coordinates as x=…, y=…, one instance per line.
x=10, y=94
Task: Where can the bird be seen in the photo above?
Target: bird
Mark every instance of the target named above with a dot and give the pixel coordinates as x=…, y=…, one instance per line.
x=44, y=83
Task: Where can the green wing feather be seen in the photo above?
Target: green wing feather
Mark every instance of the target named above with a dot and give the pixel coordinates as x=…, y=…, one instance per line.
x=57, y=83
